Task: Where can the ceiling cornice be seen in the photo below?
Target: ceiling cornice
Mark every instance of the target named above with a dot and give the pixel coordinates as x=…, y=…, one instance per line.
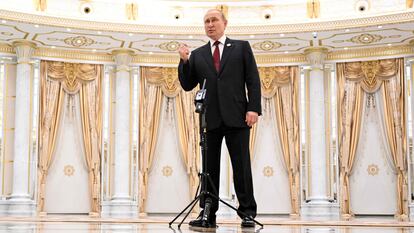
x=262, y=60
x=183, y=30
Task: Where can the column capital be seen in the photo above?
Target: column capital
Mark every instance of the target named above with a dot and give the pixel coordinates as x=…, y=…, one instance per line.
x=411, y=43
x=122, y=58
x=24, y=50
x=316, y=56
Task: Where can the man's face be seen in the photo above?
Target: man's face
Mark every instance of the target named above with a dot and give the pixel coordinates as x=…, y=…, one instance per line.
x=214, y=24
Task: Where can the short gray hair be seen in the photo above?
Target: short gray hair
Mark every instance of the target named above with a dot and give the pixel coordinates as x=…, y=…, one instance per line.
x=219, y=11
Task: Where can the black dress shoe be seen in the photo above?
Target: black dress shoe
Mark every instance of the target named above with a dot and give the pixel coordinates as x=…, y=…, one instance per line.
x=247, y=222
x=200, y=222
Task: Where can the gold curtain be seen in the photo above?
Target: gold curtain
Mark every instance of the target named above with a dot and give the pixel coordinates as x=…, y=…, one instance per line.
x=252, y=141
x=150, y=102
x=91, y=116
x=72, y=75
x=394, y=116
x=281, y=84
x=51, y=99
x=57, y=78
x=165, y=82
x=350, y=97
x=353, y=79
x=188, y=131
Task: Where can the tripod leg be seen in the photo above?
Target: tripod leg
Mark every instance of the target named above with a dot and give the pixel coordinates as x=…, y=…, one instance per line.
x=211, y=184
x=189, y=211
x=198, y=189
x=196, y=197
x=193, y=202
x=238, y=211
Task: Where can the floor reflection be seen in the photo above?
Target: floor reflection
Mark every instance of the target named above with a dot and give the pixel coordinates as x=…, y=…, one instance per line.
x=64, y=227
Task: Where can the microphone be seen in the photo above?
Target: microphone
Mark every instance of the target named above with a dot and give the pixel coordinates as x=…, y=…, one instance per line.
x=207, y=206
x=200, y=97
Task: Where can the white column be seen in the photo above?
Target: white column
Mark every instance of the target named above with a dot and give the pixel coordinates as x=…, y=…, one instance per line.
x=410, y=86
x=122, y=125
x=122, y=204
x=24, y=51
x=21, y=162
x=317, y=127
x=317, y=155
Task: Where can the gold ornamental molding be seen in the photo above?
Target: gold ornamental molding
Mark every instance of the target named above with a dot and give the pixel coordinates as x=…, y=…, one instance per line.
x=173, y=59
x=79, y=41
x=184, y=30
x=270, y=59
x=123, y=51
x=5, y=48
x=267, y=45
x=403, y=50
x=315, y=49
x=29, y=43
x=46, y=53
x=366, y=38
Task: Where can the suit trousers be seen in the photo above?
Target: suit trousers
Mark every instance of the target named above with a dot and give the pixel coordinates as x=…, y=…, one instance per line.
x=237, y=141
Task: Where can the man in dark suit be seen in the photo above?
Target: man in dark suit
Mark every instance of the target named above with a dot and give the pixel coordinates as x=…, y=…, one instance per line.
x=229, y=68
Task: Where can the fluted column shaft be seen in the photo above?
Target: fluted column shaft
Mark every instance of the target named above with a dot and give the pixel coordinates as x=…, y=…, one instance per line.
x=122, y=125
x=317, y=126
x=24, y=51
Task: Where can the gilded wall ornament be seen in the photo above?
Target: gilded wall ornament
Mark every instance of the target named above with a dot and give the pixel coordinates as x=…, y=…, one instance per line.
x=167, y=171
x=6, y=33
x=170, y=46
x=131, y=11
x=268, y=171
x=79, y=41
x=267, y=45
x=313, y=8
x=40, y=5
x=366, y=38
x=224, y=9
x=373, y=169
x=69, y=170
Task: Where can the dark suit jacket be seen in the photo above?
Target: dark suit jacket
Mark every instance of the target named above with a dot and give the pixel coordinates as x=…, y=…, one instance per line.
x=226, y=91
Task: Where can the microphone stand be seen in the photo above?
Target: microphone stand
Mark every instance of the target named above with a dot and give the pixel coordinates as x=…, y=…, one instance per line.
x=203, y=193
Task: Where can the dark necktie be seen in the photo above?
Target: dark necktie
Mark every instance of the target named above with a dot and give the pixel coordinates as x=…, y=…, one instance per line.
x=216, y=56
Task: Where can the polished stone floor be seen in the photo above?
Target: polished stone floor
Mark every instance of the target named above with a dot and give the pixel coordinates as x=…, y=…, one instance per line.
x=76, y=224
x=64, y=227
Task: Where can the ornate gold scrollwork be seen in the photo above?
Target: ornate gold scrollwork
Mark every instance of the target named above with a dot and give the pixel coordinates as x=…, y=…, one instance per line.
x=170, y=85
x=370, y=70
x=72, y=74
x=272, y=77
x=165, y=77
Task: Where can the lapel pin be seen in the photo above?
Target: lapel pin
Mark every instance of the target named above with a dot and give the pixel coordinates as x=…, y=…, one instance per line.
x=228, y=45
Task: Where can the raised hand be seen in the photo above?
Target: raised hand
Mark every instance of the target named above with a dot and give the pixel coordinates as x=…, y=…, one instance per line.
x=184, y=52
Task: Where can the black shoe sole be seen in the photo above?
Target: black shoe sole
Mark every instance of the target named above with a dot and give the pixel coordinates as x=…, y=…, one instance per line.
x=203, y=229
x=249, y=225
